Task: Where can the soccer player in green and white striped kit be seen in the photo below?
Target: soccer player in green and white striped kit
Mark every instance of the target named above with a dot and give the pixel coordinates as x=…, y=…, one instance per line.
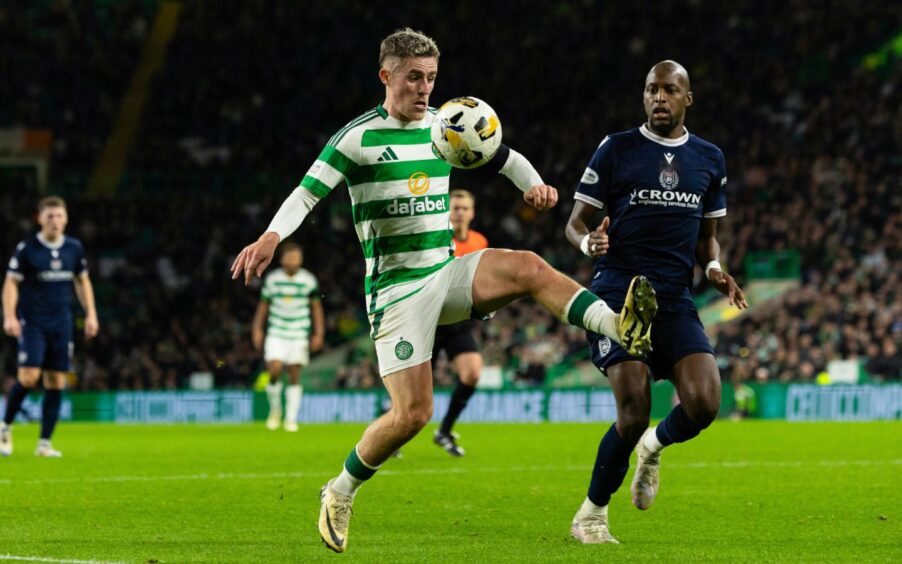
x=400, y=208
x=292, y=313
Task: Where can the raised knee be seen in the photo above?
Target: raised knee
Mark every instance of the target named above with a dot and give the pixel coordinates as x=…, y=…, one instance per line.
x=530, y=268
x=470, y=378
x=29, y=380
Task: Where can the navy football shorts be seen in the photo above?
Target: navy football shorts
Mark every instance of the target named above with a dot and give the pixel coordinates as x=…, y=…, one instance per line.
x=676, y=332
x=46, y=346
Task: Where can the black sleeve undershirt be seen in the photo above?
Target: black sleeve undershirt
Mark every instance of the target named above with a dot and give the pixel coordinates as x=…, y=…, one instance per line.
x=484, y=174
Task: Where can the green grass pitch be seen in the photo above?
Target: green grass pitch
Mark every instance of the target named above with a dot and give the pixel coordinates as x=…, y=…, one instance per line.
x=747, y=491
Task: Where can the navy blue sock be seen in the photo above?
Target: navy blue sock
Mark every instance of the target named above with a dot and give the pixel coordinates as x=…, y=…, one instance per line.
x=460, y=397
x=611, y=465
x=14, y=401
x=676, y=427
x=51, y=411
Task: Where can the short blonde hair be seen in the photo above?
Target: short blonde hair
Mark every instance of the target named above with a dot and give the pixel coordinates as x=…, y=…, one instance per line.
x=405, y=44
x=51, y=202
x=461, y=193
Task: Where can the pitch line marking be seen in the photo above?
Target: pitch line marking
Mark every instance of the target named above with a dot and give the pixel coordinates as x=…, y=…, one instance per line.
x=56, y=560
x=444, y=470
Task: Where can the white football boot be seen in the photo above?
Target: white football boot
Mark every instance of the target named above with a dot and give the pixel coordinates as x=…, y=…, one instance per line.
x=334, y=517
x=46, y=450
x=645, y=481
x=591, y=527
x=274, y=420
x=6, y=440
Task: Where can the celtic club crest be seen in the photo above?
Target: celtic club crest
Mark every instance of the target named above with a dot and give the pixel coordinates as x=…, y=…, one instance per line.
x=403, y=350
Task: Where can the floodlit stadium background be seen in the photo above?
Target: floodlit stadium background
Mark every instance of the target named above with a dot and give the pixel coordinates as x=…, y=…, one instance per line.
x=174, y=130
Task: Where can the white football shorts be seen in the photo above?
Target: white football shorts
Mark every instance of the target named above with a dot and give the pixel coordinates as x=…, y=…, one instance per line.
x=405, y=332
x=286, y=351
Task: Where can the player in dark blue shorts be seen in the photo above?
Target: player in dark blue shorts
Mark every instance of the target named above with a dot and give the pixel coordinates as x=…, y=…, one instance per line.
x=663, y=190
x=37, y=310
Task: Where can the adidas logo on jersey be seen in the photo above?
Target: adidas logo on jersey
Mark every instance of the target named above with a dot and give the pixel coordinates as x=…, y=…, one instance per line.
x=387, y=155
x=415, y=206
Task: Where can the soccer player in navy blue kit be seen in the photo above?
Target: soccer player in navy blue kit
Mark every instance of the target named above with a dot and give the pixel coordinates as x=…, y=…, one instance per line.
x=664, y=190
x=37, y=309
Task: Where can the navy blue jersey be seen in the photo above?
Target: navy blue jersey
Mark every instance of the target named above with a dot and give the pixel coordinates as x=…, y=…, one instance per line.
x=656, y=191
x=46, y=272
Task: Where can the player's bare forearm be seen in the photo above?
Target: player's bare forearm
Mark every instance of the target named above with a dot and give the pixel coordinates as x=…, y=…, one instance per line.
x=581, y=217
x=707, y=248
x=84, y=290
x=10, y=297
x=319, y=325
x=592, y=242
x=707, y=251
x=10, y=300
x=258, y=324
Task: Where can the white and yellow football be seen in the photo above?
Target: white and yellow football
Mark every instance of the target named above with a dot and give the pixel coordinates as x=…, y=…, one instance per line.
x=466, y=132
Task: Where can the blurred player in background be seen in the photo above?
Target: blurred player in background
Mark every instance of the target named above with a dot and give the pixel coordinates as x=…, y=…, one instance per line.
x=457, y=340
x=400, y=207
x=664, y=191
x=292, y=314
x=37, y=309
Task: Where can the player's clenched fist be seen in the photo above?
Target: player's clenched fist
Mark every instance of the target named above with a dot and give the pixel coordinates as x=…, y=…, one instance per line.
x=598, y=241
x=541, y=196
x=12, y=327
x=254, y=258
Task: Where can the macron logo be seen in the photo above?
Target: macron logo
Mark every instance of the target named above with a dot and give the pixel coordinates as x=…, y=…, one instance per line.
x=669, y=157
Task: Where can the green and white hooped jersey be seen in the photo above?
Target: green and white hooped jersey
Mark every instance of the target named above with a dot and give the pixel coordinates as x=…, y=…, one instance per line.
x=289, y=300
x=399, y=196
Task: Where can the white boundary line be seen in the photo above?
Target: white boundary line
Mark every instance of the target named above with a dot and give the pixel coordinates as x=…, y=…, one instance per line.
x=58, y=560
x=443, y=470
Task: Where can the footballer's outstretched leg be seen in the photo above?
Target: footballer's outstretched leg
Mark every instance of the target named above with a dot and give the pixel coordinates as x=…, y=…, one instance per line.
x=504, y=276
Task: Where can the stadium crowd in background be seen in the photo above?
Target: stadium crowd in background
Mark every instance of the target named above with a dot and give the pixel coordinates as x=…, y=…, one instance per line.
x=811, y=137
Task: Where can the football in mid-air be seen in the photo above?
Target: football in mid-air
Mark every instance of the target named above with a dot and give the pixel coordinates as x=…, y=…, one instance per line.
x=466, y=132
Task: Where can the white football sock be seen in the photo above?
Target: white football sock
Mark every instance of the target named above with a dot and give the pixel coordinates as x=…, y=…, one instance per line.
x=602, y=319
x=293, y=402
x=346, y=484
x=597, y=317
x=589, y=508
x=274, y=395
x=651, y=441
